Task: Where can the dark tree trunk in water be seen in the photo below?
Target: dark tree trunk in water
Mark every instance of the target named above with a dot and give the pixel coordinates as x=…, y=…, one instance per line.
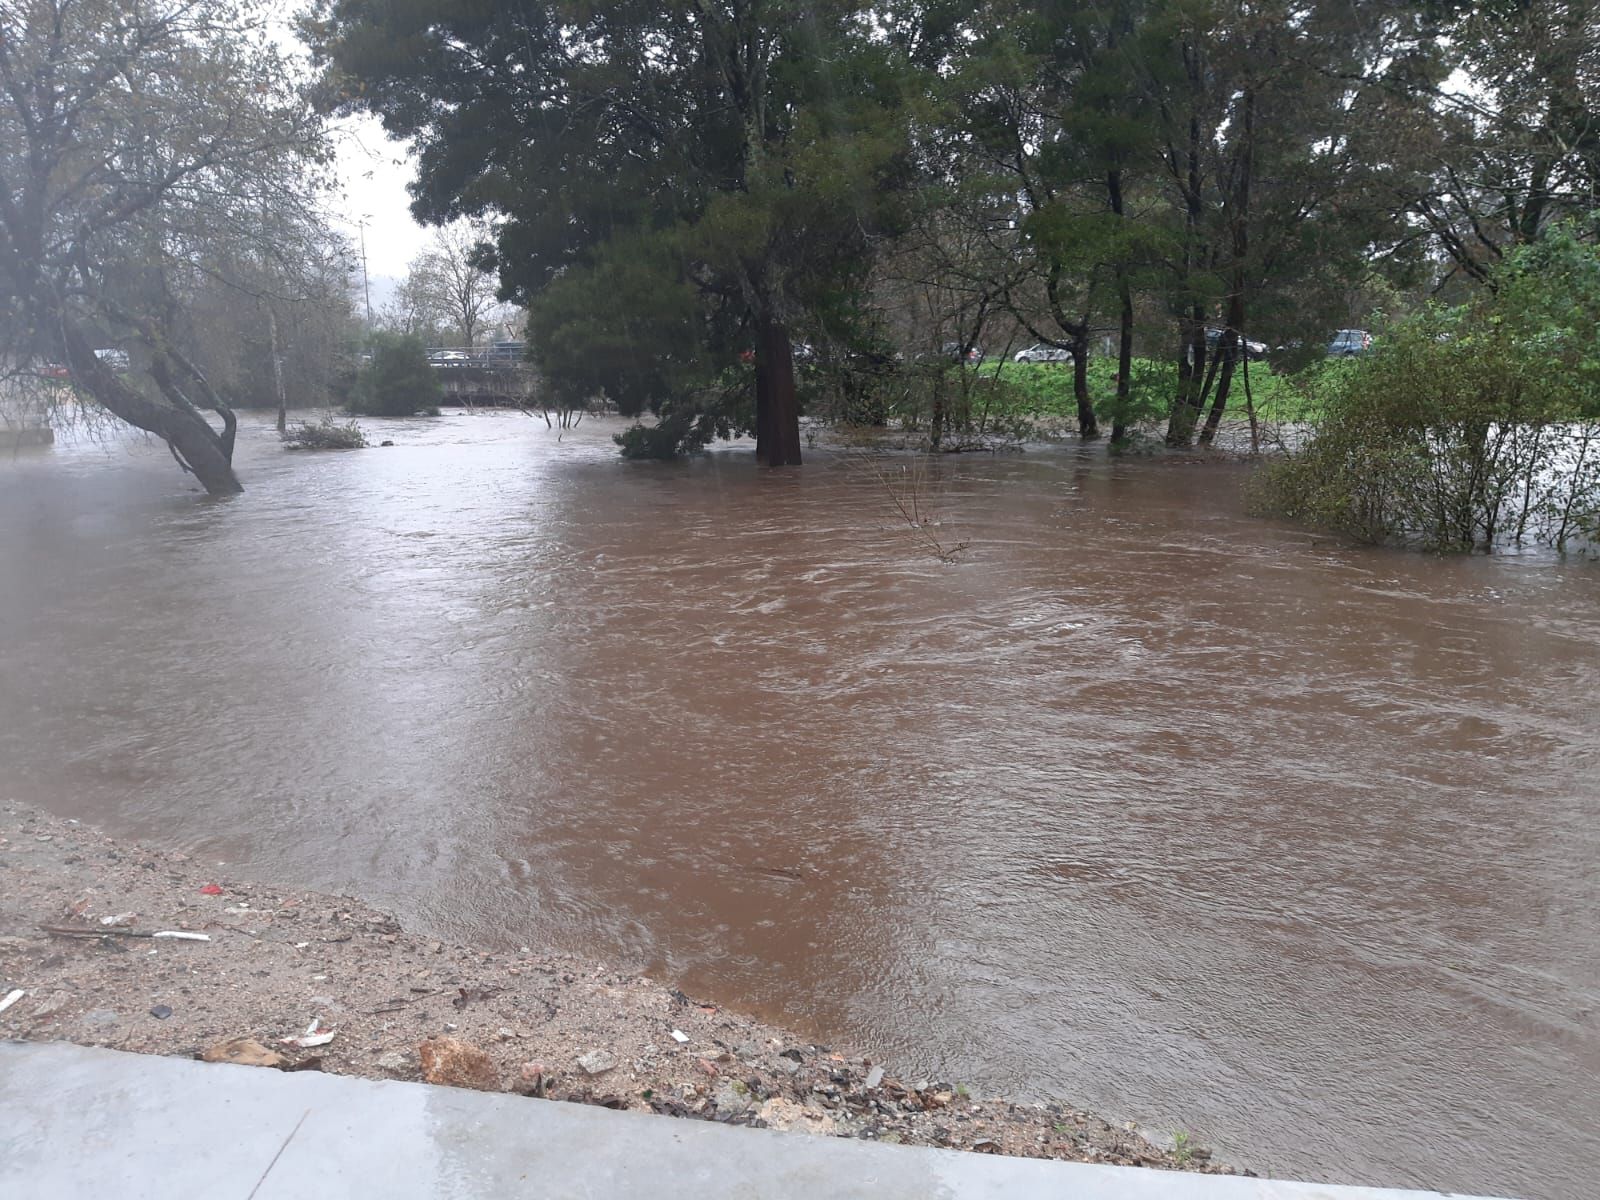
x=1119, y=420
x=1234, y=342
x=196, y=445
x=1191, y=380
x=1192, y=353
x=1088, y=427
x=1119, y=423
x=777, y=405
x=277, y=374
x=1230, y=349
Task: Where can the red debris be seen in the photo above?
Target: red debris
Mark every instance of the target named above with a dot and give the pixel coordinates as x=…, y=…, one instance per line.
x=211, y=889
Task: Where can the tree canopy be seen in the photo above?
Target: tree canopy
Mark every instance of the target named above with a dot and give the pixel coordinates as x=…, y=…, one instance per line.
x=679, y=184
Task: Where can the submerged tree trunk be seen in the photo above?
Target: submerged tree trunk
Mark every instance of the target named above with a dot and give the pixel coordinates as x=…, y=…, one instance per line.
x=1234, y=342
x=1229, y=351
x=1119, y=418
x=777, y=404
x=194, y=443
x=1192, y=380
x=1088, y=427
x=277, y=373
x=1250, y=408
x=1119, y=421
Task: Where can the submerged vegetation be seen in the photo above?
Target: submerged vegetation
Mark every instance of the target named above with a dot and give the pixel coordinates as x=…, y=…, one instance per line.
x=326, y=434
x=396, y=380
x=1472, y=426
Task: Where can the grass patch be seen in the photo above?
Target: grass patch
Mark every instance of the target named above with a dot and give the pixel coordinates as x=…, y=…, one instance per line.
x=1043, y=391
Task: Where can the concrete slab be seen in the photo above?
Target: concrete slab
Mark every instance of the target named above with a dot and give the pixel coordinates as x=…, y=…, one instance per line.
x=80, y=1122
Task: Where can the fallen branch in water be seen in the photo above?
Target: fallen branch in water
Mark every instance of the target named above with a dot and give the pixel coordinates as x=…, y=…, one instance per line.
x=908, y=500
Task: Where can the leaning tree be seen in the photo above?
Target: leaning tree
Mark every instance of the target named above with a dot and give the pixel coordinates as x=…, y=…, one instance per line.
x=132, y=138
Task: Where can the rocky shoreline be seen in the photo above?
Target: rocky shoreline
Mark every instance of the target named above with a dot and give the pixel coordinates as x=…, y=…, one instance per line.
x=115, y=944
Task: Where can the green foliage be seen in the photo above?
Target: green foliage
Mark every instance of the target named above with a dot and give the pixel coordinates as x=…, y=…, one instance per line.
x=1547, y=302
x=673, y=179
x=639, y=354
x=679, y=430
x=326, y=434
x=397, y=382
x=1470, y=425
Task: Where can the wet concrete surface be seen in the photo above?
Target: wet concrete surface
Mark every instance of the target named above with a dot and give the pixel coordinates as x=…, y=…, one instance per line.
x=85, y=1123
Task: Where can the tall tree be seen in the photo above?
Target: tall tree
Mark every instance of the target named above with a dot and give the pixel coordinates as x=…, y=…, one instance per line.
x=1503, y=101
x=1265, y=115
x=1051, y=112
x=733, y=153
x=449, y=283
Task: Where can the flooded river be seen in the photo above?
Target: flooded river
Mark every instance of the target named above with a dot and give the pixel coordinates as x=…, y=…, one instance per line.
x=1189, y=818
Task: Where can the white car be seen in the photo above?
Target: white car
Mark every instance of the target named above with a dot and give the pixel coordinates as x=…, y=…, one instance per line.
x=1043, y=353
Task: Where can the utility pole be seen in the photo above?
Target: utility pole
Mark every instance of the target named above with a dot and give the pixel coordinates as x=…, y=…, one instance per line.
x=366, y=287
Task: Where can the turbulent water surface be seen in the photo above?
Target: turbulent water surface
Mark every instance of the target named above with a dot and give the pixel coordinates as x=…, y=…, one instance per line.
x=1143, y=803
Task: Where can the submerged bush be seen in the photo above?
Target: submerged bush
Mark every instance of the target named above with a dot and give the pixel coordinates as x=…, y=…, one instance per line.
x=1468, y=426
x=682, y=428
x=397, y=382
x=325, y=435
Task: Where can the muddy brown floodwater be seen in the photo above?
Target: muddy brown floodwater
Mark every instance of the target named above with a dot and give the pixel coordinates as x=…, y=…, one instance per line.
x=1190, y=818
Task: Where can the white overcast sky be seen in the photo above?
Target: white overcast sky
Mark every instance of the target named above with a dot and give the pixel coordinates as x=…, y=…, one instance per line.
x=372, y=173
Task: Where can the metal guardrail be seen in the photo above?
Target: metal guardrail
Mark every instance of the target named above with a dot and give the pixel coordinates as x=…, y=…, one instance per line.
x=501, y=356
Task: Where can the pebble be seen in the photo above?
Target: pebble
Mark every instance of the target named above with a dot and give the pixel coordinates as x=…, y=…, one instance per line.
x=597, y=1062
x=731, y=1098
x=455, y=1063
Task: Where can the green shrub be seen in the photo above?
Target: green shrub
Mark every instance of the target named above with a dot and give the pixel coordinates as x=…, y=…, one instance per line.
x=1463, y=429
x=398, y=381
x=684, y=427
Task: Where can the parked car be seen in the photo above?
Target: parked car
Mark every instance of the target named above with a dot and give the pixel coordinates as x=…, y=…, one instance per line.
x=54, y=371
x=1348, y=343
x=971, y=355
x=1254, y=349
x=448, y=356
x=117, y=360
x=1043, y=354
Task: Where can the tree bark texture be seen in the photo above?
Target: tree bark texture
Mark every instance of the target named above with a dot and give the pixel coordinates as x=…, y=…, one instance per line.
x=196, y=445
x=777, y=404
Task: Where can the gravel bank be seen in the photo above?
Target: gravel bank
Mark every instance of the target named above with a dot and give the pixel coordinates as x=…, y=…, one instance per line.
x=81, y=923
